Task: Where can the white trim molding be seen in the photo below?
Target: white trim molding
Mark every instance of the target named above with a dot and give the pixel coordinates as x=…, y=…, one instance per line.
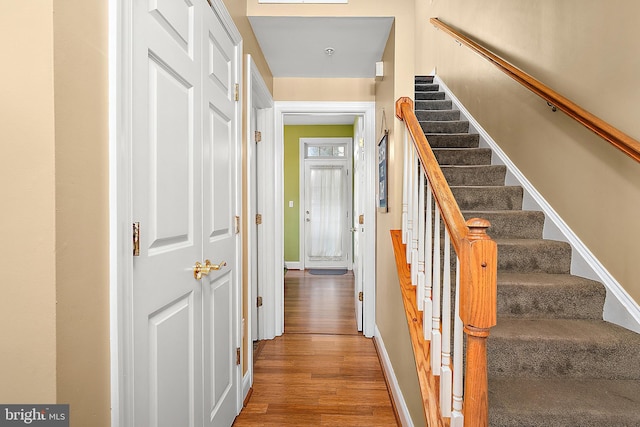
x=392, y=382
x=619, y=307
x=293, y=265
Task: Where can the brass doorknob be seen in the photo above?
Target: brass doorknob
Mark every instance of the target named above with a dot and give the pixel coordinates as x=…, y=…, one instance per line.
x=200, y=270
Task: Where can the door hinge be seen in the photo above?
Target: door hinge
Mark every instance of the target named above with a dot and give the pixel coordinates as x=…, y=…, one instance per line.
x=237, y=218
x=259, y=302
x=360, y=296
x=258, y=219
x=238, y=356
x=361, y=219
x=258, y=136
x=236, y=95
x=136, y=239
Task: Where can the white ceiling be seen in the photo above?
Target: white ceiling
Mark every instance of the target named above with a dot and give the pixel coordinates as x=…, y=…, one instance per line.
x=295, y=46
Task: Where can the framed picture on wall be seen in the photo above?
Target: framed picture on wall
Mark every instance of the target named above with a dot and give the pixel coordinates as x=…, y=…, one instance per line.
x=382, y=174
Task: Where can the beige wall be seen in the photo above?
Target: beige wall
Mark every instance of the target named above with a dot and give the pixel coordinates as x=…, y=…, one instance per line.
x=82, y=209
x=27, y=217
x=238, y=11
x=390, y=315
x=316, y=89
x=54, y=225
x=588, y=51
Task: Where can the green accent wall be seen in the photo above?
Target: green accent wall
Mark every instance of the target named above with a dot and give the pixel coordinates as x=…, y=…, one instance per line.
x=292, y=135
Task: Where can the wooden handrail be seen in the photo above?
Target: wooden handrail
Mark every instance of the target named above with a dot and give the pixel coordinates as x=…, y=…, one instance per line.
x=614, y=136
x=478, y=255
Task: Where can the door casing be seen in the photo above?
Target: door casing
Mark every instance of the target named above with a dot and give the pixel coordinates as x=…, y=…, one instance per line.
x=274, y=325
x=260, y=115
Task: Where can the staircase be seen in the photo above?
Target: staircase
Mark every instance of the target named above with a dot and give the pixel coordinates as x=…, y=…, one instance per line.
x=552, y=360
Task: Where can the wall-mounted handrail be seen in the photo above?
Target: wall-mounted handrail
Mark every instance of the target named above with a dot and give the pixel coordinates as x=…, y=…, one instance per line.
x=476, y=300
x=609, y=133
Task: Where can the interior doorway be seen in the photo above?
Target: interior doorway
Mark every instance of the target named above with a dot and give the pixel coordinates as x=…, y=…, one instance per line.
x=367, y=215
x=259, y=131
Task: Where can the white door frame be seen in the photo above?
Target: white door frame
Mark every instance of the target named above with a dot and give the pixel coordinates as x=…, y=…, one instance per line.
x=258, y=98
x=348, y=142
x=367, y=110
x=120, y=204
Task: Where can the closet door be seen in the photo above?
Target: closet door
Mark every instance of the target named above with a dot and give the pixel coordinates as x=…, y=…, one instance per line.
x=184, y=197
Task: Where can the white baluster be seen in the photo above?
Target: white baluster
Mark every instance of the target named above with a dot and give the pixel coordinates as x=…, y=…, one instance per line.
x=457, y=419
x=415, y=215
x=445, y=374
x=409, y=248
x=428, y=271
x=435, y=318
x=421, y=243
x=405, y=185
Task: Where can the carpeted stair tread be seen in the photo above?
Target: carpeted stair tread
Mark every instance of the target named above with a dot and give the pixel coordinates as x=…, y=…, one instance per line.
x=447, y=126
x=551, y=296
x=488, y=198
x=427, y=87
x=463, y=156
x=483, y=175
x=573, y=348
x=424, y=79
x=563, y=402
x=534, y=256
x=438, y=115
x=456, y=140
x=436, y=104
x=512, y=224
x=423, y=96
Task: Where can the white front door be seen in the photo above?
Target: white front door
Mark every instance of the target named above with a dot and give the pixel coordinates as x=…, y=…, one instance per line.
x=327, y=206
x=184, y=195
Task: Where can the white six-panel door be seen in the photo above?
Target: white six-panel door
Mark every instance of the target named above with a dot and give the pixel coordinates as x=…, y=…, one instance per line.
x=220, y=205
x=184, y=195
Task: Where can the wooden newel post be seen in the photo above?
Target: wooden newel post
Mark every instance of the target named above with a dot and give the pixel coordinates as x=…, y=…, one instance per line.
x=399, y=102
x=478, y=307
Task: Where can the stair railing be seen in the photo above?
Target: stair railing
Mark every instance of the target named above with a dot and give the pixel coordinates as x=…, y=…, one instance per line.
x=429, y=210
x=606, y=131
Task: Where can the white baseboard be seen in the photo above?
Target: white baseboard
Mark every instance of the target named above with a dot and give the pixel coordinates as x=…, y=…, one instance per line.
x=246, y=385
x=619, y=307
x=396, y=393
x=292, y=265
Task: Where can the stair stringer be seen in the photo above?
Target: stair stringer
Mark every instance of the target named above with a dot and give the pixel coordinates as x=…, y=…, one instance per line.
x=619, y=307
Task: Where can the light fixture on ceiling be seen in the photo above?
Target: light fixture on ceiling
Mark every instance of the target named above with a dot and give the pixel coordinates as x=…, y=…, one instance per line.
x=329, y=51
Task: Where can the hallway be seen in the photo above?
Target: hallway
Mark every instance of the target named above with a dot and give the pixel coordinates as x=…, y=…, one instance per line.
x=321, y=371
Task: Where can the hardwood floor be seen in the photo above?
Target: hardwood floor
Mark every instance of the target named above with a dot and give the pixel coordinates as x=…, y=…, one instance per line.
x=321, y=372
x=319, y=304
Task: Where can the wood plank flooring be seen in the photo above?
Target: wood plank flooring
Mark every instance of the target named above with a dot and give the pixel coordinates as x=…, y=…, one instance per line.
x=319, y=304
x=321, y=372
